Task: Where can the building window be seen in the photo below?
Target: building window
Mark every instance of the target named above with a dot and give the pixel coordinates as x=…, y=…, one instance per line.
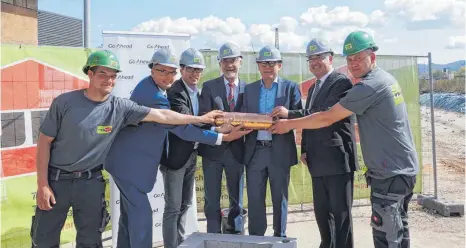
x=37, y=117
x=13, y=129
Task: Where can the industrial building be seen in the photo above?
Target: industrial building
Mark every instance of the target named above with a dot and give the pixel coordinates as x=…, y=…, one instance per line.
x=24, y=23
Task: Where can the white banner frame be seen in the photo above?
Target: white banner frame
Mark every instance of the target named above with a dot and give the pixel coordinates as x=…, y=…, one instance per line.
x=134, y=51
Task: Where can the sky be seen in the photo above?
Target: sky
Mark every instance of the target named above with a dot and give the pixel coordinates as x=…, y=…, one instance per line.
x=400, y=27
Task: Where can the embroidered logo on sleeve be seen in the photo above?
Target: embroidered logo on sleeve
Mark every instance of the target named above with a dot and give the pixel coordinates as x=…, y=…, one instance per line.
x=104, y=129
x=397, y=95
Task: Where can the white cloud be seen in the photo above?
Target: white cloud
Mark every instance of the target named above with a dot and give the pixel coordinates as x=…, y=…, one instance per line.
x=427, y=10
x=458, y=14
x=214, y=30
x=390, y=40
x=336, y=36
x=229, y=26
x=378, y=18
x=340, y=15
x=287, y=24
x=456, y=42
x=262, y=33
x=332, y=26
x=293, y=42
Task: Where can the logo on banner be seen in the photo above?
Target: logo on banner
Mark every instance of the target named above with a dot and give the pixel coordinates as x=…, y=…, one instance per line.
x=157, y=195
x=150, y=46
x=138, y=62
x=125, y=77
x=118, y=46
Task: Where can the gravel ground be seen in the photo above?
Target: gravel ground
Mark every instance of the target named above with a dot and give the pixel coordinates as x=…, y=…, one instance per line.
x=450, y=153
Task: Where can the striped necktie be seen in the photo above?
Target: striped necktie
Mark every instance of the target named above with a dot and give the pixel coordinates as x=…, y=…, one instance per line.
x=231, y=97
x=314, y=92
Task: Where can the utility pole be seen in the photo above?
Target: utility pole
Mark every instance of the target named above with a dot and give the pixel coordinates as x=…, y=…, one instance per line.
x=277, y=41
x=87, y=33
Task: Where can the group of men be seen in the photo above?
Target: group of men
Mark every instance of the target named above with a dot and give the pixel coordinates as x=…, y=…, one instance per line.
x=168, y=122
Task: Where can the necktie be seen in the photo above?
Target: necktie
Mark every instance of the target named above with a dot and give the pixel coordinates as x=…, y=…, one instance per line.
x=314, y=93
x=231, y=97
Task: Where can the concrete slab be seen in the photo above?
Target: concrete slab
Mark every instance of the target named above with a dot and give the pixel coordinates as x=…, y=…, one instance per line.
x=444, y=207
x=214, y=240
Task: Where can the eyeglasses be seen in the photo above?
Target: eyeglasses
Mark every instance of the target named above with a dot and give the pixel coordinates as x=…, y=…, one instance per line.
x=229, y=60
x=268, y=63
x=166, y=73
x=192, y=69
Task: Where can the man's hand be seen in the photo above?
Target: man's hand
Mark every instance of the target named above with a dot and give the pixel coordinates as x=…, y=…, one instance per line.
x=303, y=158
x=280, y=112
x=210, y=117
x=226, y=127
x=45, y=198
x=280, y=127
x=235, y=133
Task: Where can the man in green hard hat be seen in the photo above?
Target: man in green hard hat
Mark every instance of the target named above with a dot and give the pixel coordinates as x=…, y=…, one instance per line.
x=385, y=135
x=73, y=143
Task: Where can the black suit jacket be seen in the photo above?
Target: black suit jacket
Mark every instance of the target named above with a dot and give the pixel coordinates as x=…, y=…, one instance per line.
x=284, y=145
x=211, y=90
x=179, y=150
x=330, y=150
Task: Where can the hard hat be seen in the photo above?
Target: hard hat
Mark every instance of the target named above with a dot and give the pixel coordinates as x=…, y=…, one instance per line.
x=164, y=56
x=358, y=41
x=103, y=58
x=228, y=50
x=316, y=47
x=269, y=53
x=192, y=58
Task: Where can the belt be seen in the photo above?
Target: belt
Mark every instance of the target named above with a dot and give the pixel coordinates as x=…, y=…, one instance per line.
x=264, y=143
x=56, y=173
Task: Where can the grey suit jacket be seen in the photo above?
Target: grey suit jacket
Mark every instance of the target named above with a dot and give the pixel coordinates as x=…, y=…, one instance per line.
x=284, y=145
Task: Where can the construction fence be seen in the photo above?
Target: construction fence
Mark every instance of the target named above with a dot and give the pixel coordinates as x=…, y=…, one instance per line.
x=33, y=76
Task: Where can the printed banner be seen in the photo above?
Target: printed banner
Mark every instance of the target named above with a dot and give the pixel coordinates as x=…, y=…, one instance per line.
x=31, y=78
x=134, y=52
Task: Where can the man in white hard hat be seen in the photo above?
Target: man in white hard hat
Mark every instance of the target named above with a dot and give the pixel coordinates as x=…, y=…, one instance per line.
x=224, y=93
x=179, y=167
x=134, y=157
x=329, y=153
x=269, y=157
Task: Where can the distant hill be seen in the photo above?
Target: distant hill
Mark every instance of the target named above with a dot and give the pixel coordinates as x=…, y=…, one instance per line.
x=453, y=66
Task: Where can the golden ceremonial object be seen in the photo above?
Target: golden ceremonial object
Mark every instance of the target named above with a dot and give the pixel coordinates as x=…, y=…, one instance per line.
x=249, y=120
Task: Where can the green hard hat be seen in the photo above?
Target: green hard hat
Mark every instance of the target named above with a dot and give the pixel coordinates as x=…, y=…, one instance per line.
x=102, y=58
x=358, y=41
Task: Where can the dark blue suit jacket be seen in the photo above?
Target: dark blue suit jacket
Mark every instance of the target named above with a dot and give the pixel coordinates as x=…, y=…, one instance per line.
x=135, y=154
x=284, y=145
